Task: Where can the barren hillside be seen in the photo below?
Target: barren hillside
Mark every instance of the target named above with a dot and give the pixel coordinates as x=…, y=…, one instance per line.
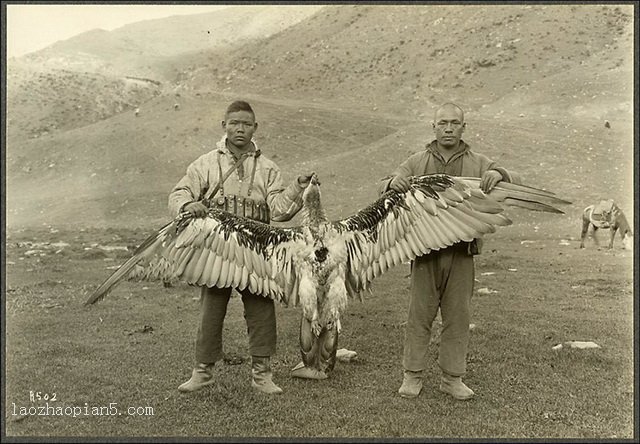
x=332, y=95
x=415, y=54
x=144, y=48
x=98, y=74
x=44, y=102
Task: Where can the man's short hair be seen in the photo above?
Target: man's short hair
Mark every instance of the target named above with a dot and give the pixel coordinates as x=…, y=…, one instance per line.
x=449, y=105
x=240, y=105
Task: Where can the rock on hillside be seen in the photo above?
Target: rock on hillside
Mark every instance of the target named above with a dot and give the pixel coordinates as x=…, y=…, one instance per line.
x=415, y=54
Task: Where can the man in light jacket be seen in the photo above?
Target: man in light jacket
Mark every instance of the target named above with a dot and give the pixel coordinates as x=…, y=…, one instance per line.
x=254, y=189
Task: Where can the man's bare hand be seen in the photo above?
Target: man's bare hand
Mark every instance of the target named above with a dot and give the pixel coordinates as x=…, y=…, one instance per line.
x=197, y=209
x=305, y=179
x=400, y=184
x=489, y=180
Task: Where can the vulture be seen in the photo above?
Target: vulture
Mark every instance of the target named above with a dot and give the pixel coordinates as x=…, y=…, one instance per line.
x=321, y=264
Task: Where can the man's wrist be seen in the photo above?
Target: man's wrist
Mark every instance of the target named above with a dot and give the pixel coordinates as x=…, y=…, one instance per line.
x=502, y=173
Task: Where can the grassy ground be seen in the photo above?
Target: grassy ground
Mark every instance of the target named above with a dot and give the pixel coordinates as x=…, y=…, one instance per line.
x=136, y=347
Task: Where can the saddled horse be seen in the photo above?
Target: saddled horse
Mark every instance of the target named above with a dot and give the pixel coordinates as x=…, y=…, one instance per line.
x=606, y=214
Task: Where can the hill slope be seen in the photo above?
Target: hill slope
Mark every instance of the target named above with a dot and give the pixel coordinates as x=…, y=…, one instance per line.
x=98, y=74
x=409, y=55
x=354, y=126
x=141, y=49
x=43, y=102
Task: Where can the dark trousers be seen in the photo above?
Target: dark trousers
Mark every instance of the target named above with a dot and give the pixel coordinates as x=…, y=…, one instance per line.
x=259, y=313
x=442, y=279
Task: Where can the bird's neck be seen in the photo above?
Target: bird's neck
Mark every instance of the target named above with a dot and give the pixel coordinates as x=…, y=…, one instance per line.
x=314, y=216
x=312, y=210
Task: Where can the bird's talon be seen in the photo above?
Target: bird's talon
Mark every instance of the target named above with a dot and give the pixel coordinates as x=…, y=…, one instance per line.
x=315, y=328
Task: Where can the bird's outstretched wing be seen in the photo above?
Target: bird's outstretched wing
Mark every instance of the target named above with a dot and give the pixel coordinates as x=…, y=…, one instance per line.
x=436, y=212
x=221, y=250
x=522, y=196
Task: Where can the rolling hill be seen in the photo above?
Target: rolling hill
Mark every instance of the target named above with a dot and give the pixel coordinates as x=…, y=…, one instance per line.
x=44, y=102
x=145, y=48
x=98, y=74
x=348, y=93
x=411, y=55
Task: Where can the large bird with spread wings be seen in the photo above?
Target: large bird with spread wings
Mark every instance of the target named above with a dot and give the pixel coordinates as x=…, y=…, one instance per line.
x=321, y=264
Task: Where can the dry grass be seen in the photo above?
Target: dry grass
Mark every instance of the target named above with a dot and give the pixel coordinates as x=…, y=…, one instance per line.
x=102, y=354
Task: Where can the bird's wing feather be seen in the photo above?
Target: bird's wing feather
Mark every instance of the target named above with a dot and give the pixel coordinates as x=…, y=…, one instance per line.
x=436, y=212
x=522, y=196
x=145, y=251
x=219, y=250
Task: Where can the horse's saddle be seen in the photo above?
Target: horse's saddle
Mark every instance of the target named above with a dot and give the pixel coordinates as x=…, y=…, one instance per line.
x=601, y=213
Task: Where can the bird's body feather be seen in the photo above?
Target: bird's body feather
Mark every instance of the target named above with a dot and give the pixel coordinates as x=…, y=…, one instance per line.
x=320, y=264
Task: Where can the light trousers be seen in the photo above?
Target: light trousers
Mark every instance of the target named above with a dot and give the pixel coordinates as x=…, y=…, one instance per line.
x=259, y=314
x=442, y=279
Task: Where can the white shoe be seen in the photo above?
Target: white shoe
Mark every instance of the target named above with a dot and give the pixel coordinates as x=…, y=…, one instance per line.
x=261, y=376
x=411, y=384
x=453, y=385
x=201, y=377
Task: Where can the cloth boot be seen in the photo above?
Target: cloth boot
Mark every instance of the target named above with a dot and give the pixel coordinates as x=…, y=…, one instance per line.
x=411, y=384
x=261, y=375
x=201, y=376
x=453, y=385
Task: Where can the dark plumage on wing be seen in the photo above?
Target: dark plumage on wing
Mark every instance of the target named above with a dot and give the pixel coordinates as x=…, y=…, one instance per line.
x=321, y=264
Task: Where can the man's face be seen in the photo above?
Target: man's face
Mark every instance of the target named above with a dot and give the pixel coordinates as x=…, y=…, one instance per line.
x=448, y=126
x=240, y=126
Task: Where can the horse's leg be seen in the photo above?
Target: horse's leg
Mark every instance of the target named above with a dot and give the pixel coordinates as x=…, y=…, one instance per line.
x=614, y=228
x=583, y=233
x=595, y=238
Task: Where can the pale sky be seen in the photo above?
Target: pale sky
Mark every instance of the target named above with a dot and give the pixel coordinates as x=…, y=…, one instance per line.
x=33, y=27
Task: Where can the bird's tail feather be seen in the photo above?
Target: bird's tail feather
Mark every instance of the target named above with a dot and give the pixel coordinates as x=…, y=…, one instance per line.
x=145, y=250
